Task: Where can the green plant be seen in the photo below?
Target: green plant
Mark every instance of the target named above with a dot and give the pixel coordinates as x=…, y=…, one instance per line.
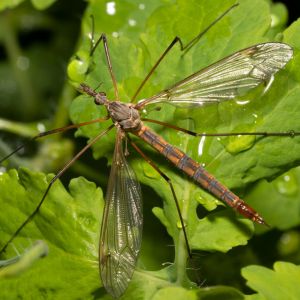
x=70, y=219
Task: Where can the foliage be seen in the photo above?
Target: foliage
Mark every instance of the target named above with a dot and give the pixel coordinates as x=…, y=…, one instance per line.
x=282, y=283
x=38, y=4
x=70, y=218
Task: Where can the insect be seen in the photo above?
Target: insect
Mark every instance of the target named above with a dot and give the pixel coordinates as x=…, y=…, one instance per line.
x=119, y=247
x=121, y=230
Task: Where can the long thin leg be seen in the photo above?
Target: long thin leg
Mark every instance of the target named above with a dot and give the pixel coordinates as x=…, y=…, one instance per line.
x=168, y=180
x=290, y=133
x=53, y=131
x=190, y=44
x=183, y=48
x=106, y=50
x=58, y=175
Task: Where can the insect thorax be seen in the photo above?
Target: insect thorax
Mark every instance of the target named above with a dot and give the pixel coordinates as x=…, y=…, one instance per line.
x=125, y=115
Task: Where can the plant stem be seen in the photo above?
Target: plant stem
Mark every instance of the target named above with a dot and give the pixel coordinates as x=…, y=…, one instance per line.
x=180, y=262
x=22, y=129
x=182, y=253
x=61, y=117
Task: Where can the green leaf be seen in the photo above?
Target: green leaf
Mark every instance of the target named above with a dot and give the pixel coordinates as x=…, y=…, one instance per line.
x=38, y=4
x=175, y=293
x=9, y=4
x=68, y=222
x=220, y=292
x=278, y=201
x=42, y=4
x=280, y=283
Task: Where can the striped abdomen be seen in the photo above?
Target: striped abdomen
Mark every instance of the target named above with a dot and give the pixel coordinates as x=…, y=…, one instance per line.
x=198, y=173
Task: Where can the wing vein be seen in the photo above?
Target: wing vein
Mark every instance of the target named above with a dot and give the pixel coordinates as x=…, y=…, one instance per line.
x=228, y=78
x=121, y=231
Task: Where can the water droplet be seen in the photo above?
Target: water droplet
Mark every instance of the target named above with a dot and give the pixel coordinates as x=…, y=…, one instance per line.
x=23, y=63
x=268, y=84
x=149, y=171
x=2, y=170
x=115, y=34
x=111, y=8
x=179, y=225
x=289, y=243
x=132, y=22
x=236, y=144
x=41, y=127
x=286, y=184
x=208, y=202
x=242, y=102
x=201, y=145
x=274, y=20
x=141, y=6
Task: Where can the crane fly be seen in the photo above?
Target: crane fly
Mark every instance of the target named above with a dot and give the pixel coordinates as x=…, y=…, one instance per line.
x=121, y=230
x=122, y=221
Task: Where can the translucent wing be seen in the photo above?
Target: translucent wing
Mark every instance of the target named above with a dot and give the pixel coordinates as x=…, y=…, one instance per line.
x=227, y=78
x=121, y=231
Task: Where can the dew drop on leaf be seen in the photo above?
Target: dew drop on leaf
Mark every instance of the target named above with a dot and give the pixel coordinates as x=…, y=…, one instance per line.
x=286, y=184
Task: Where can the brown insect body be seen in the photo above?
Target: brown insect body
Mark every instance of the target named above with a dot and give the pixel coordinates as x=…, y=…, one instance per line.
x=127, y=117
x=194, y=170
x=124, y=115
